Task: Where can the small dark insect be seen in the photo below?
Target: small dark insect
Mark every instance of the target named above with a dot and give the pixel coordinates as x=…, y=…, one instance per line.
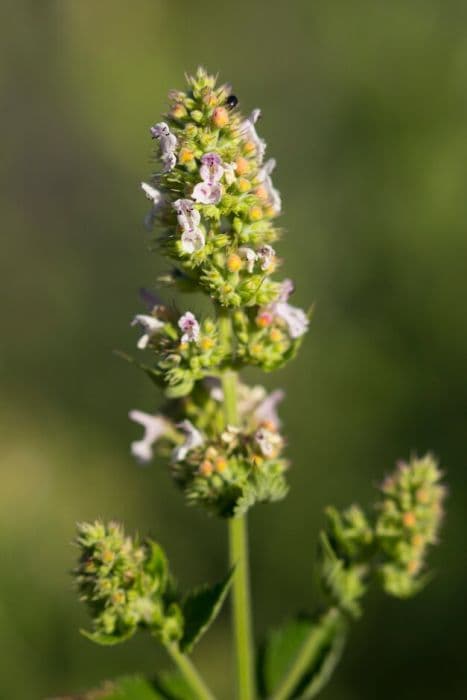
x=231, y=101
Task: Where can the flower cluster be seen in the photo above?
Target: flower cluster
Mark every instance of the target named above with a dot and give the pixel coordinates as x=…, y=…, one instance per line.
x=125, y=584
x=214, y=204
x=214, y=197
x=409, y=518
x=393, y=546
x=224, y=468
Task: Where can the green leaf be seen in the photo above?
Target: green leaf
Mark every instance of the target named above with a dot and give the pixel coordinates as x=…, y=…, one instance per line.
x=173, y=686
x=157, y=564
x=281, y=648
x=134, y=688
x=200, y=608
x=176, y=391
x=324, y=639
x=108, y=640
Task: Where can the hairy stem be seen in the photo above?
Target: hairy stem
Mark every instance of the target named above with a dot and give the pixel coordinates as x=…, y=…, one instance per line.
x=189, y=673
x=319, y=635
x=238, y=551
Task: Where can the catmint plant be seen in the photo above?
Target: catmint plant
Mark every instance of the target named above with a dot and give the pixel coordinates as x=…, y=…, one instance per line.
x=213, y=211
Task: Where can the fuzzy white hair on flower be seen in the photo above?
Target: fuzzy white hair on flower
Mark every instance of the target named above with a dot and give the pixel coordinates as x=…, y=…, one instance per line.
x=249, y=255
x=155, y=427
x=168, y=144
x=264, y=177
x=193, y=439
x=265, y=255
x=189, y=326
x=151, y=327
x=248, y=132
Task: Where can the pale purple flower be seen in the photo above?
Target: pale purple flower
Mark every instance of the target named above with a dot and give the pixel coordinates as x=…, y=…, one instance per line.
x=295, y=318
x=155, y=427
x=209, y=191
x=248, y=132
x=212, y=168
x=265, y=255
x=188, y=216
x=192, y=241
x=193, y=439
x=264, y=176
x=168, y=144
x=266, y=411
x=206, y=193
x=151, y=327
x=189, y=327
x=249, y=255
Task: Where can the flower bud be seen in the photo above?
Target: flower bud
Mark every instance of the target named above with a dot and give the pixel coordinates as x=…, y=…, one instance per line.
x=220, y=117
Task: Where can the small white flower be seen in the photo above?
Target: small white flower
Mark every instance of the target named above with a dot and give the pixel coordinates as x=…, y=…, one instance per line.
x=193, y=439
x=212, y=168
x=168, y=144
x=230, y=434
x=229, y=172
x=155, y=427
x=249, y=255
x=192, y=241
x=295, y=318
x=265, y=255
x=266, y=411
x=268, y=442
x=189, y=326
x=207, y=193
x=150, y=325
x=188, y=216
x=248, y=131
x=151, y=193
x=264, y=177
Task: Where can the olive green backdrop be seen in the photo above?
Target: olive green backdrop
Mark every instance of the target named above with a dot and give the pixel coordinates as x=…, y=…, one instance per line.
x=365, y=108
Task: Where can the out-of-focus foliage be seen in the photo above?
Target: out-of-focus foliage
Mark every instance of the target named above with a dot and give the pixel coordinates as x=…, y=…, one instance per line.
x=364, y=104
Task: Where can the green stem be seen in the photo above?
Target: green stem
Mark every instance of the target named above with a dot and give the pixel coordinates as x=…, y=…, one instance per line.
x=189, y=673
x=310, y=649
x=238, y=550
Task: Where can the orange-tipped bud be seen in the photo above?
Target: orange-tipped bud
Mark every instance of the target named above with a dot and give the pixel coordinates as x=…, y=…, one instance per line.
x=220, y=117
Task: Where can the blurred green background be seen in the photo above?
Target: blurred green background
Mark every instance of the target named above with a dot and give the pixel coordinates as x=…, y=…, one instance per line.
x=364, y=107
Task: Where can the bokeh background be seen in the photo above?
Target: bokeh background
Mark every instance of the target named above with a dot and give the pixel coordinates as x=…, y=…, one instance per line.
x=365, y=108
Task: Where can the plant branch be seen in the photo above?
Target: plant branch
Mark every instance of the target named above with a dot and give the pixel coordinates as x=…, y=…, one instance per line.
x=317, y=638
x=238, y=550
x=189, y=672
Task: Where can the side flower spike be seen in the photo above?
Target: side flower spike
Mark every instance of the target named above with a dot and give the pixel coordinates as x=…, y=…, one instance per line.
x=168, y=144
x=189, y=325
x=155, y=427
x=248, y=132
x=209, y=190
x=193, y=438
x=151, y=327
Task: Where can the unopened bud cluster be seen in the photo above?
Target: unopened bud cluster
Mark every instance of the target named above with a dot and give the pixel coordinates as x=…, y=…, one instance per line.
x=124, y=584
x=394, y=546
x=410, y=515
